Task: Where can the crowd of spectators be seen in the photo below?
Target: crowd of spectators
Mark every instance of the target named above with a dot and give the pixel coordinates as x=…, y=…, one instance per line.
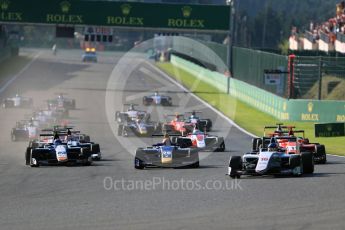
x=331, y=27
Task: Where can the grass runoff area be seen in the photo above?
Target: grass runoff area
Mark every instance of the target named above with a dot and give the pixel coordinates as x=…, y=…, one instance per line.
x=10, y=67
x=244, y=115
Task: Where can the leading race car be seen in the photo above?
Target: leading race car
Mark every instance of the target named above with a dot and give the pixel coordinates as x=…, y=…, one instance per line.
x=270, y=161
x=57, y=153
x=166, y=156
x=290, y=143
x=17, y=102
x=202, y=141
x=157, y=99
x=62, y=102
x=131, y=114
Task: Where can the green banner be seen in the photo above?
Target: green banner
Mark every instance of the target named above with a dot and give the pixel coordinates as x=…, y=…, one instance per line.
x=123, y=14
x=330, y=130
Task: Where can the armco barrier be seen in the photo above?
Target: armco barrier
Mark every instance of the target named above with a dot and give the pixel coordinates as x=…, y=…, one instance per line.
x=281, y=108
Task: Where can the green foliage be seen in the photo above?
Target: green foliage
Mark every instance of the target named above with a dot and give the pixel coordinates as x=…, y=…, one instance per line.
x=284, y=47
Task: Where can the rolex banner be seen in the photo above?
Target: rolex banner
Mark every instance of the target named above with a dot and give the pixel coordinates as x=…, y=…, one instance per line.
x=123, y=14
x=330, y=130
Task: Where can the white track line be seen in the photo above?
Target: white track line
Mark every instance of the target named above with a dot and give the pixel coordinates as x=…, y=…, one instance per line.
x=209, y=106
x=9, y=82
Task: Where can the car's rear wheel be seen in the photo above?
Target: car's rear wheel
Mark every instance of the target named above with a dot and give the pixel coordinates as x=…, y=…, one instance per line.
x=195, y=165
x=235, y=165
x=221, y=147
x=120, y=130
x=321, y=154
x=308, y=162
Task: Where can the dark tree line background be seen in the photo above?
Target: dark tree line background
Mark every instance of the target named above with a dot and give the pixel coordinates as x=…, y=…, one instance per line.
x=268, y=23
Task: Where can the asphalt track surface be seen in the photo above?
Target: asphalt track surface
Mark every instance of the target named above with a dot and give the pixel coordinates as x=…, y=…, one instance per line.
x=94, y=198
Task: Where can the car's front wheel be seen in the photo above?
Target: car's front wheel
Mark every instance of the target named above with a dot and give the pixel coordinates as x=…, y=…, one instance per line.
x=138, y=164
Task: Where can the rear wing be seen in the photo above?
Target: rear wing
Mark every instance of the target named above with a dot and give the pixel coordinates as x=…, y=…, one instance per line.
x=279, y=128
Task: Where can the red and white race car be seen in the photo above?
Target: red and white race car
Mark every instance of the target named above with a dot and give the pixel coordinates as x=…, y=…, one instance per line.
x=202, y=141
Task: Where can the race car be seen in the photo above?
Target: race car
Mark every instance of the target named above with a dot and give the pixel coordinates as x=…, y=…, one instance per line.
x=178, y=125
x=89, y=55
x=61, y=102
x=271, y=161
x=139, y=128
x=157, y=99
x=202, y=141
x=57, y=153
x=131, y=114
x=166, y=156
x=24, y=131
x=17, y=102
x=76, y=138
x=292, y=144
x=201, y=124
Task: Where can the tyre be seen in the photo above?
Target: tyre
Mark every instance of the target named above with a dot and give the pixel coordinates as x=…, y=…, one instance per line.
x=138, y=164
x=321, y=157
x=235, y=165
x=145, y=101
x=34, y=161
x=209, y=125
x=195, y=165
x=255, y=146
x=295, y=164
x=307, y=162
x=120, y=130
x=13, y=137
x=27, y=156
x=221, y=147
x=95, y=148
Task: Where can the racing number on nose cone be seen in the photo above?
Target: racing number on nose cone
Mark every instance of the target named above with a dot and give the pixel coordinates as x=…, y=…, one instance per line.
x=166, y=156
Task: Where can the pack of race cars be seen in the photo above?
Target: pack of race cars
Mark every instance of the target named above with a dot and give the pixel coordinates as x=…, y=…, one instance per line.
x=285, y=151
x=188, y=134
x=51, y=140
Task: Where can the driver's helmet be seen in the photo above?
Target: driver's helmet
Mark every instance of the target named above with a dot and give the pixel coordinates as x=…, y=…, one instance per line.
x=272, y=147
x=60, y=96
x=17, y=95
x=57, y=142
x=195, y=130
x=156, y=93
x=130, y=108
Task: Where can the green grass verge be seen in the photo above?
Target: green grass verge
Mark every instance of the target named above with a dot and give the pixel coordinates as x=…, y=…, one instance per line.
x=11, y=67
x=244, y=115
